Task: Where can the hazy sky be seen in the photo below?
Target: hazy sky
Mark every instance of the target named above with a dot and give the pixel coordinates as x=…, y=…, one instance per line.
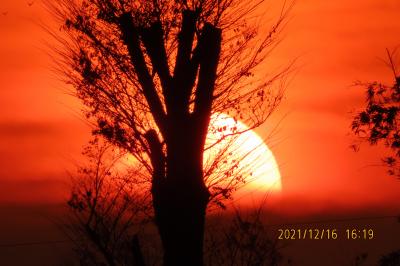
x=338, y=43
x=335, y=43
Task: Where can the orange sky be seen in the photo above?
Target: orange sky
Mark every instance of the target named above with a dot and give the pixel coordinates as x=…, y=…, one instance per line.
x=336, y=43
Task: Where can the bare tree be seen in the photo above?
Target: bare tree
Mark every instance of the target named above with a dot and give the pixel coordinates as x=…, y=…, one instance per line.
x=152, y=74
x=110, y=204
x=242, y=241
x=379, y=121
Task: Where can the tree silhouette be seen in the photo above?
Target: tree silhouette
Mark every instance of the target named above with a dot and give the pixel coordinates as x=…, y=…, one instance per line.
x=152, y=74
x=242, y=241
x=109, y=206
x=390, y=259
x=379, y=121
x=111, y=211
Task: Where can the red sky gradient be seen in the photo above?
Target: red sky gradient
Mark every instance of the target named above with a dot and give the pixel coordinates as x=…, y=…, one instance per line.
x=335, y=43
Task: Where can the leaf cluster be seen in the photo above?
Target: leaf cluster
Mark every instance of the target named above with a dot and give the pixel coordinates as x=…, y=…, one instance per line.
x=379, y=121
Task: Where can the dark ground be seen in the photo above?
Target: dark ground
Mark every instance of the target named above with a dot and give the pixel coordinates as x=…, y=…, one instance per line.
x=38, y=224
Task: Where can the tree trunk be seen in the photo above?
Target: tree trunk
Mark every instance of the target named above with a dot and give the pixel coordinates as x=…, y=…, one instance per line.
x=138, y=259
x=180, y=198
x=180, y=217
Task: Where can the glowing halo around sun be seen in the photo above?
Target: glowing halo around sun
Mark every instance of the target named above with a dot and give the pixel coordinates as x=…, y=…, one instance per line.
x=254, y=158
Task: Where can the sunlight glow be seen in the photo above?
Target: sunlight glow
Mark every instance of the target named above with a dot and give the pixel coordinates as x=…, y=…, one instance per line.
x=246, y=153
x=255, y=159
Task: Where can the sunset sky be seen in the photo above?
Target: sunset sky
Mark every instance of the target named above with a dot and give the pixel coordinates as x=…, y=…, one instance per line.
x=335, y=43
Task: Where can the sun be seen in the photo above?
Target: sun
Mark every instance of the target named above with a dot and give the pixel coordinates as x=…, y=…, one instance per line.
x=253, y=157
x=255, y=161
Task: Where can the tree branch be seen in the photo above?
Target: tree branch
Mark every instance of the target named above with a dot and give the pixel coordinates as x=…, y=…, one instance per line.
x=131, y=39
x=185, y=70
x=210, y=49
x=153, y=40
x=157, y=159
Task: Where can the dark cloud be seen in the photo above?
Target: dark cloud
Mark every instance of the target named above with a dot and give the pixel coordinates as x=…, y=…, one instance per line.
x=24, y=129
x=33, y=190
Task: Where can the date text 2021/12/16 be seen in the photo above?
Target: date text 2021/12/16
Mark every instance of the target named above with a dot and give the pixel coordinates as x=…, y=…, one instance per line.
x=327, y=234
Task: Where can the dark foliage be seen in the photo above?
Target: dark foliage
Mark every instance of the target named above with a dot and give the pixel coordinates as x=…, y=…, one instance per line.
x=379, y=121
x=391, y=259
x=244, y=240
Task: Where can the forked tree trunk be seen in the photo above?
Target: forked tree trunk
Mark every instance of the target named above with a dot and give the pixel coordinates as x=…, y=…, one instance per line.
x=180, y=196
